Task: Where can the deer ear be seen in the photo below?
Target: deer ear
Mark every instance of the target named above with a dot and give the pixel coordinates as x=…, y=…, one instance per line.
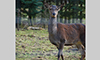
x=58, y=9
x=46, y=5
x=61, y=5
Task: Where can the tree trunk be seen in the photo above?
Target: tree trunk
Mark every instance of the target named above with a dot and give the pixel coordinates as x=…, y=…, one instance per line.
x=42, y=17
x=69, y=14
x=57, y=3
x=65, y=21
x=73, y=16
x=30, y=17
x=77, y=2
x=18, y=18
x=30, y=20
x=61, y=14
x=44, y=23
x=18, y=23
x=81, y=14
x=19, y=7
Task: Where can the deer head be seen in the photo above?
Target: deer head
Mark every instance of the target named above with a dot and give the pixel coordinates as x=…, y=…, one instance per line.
x=53, y=9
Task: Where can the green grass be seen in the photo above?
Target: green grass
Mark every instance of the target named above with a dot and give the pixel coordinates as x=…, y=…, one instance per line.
x=35, y=45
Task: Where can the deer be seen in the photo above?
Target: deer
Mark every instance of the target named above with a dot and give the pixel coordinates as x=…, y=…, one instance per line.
x=62, y=35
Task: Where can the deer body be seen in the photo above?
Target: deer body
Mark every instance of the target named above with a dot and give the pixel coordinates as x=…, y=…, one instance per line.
x=65, y=34
x=69, y=33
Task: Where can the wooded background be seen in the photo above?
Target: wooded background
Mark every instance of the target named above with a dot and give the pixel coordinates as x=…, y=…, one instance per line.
x=34, y=13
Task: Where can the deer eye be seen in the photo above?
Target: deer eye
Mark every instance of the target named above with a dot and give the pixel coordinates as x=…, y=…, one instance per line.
x=57, y=9
x=50, y=9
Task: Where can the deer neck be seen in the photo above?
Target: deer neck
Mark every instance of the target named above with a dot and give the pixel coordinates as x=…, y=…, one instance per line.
x=52, y=25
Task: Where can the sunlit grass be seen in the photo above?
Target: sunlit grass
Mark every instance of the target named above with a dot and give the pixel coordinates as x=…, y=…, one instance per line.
x=35, y=45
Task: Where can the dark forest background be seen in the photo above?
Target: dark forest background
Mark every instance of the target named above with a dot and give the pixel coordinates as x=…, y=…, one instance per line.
x=34, y=13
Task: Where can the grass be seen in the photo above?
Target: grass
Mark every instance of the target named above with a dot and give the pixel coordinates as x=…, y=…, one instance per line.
x=35, y=45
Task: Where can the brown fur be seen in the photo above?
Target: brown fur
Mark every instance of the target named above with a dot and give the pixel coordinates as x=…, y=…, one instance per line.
x=71, y=32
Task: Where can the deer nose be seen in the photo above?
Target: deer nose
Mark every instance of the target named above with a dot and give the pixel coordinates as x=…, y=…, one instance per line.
x=54, y=14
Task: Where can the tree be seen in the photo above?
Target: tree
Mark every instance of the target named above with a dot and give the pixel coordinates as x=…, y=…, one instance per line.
x=31, y=8
x=61, y=12
x=18, y=14
x=76, y=10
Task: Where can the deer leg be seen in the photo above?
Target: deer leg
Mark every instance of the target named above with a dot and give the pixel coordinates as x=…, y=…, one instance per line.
x=62, y=56
x=82, y=50
x=60, y=48
x=82, y=53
